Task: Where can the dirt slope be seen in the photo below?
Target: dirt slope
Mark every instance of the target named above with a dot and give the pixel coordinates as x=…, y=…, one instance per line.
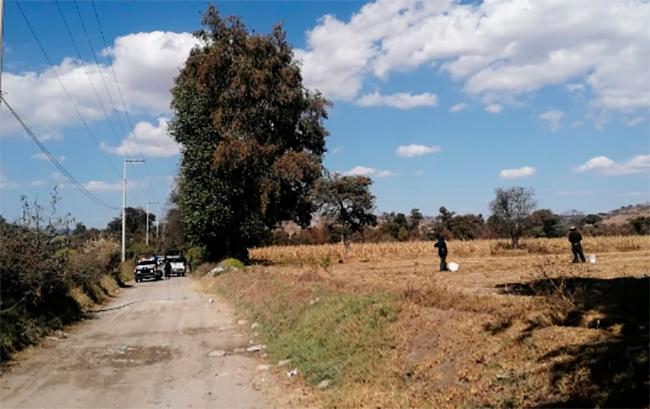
x=148, y=348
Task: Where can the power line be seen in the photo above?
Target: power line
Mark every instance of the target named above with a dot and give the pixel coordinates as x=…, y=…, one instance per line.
x=144, y=191
x=55, y=161
x=117, y=83
x=65, y=90
x=95, y=92
x=85, y=68
x=92, y=51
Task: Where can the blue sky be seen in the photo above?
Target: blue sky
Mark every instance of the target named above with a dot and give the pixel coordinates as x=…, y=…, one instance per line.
x=439, y=102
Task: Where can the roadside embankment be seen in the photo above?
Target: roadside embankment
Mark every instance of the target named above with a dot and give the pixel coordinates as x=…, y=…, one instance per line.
x=46, y=284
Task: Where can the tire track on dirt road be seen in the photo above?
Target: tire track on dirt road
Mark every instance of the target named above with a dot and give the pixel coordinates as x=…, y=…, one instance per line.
x=148, y=348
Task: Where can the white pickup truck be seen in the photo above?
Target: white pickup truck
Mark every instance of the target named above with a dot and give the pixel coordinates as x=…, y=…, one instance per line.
x=177, y=262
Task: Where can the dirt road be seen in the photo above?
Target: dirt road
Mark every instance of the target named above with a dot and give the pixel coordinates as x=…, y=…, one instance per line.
x=148, y=349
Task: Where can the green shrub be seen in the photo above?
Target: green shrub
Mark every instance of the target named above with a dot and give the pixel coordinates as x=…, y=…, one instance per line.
x=232, y=263
x=195, y=256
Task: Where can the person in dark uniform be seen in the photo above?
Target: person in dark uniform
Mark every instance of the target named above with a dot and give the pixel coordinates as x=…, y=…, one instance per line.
x=441, y=244
x=575, y=238
x=168, y=269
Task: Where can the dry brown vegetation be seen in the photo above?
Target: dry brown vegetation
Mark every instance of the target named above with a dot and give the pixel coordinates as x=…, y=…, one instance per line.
x=457, y=248
x=510, y=329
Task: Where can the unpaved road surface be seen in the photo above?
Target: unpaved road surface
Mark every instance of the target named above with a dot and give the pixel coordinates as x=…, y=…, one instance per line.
x=148, y=349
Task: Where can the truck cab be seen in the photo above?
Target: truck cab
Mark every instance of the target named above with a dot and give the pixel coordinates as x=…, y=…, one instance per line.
x=146, y=268
x=176, y=259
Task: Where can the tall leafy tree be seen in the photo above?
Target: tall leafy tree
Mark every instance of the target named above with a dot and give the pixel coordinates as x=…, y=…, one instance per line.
x=136, y=222
x=510, y=210
x=252, y=137
x=346, y=202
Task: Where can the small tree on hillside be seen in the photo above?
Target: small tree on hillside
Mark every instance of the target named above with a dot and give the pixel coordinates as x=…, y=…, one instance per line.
x=346, y=202
x=510, y=210
x=640, y=224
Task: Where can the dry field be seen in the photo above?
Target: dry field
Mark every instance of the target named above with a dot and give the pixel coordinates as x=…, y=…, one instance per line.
x=457, y=248
x=519, y=328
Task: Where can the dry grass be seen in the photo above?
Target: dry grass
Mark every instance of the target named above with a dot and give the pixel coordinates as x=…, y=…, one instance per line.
x=472, y=248
x=510, y=329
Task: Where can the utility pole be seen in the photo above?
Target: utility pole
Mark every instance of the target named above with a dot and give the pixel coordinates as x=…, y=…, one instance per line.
x=147, y=236
x=124, y=203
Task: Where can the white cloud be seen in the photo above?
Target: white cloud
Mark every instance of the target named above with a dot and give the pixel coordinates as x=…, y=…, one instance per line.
x=501, y=47
x=37, y=183
x=101, y=186
x=43, y=157
x=384, y=173
x=575, y=87
x=574, y=193
x=366, y=171
x=147, y=138
x=5, y=183
x=145, y=65
x=494, y=108
x=400, y=100
x=337, y=150
x=606, y=166
x=634, y=121
x=412, y=150
x=519, y=173
x=458, y=107
x=552, y=119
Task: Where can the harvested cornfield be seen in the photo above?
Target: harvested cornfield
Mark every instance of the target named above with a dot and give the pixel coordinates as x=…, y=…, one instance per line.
x=511, y=328
x=471, y=248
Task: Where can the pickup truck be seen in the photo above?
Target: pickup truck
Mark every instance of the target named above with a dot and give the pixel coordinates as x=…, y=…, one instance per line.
x=147, y=268
x=178, y=263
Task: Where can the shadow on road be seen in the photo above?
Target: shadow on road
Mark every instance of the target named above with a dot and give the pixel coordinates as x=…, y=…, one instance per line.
x=614, y=371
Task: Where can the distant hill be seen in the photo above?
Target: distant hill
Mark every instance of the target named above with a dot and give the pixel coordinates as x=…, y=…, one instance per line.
x=624, y=214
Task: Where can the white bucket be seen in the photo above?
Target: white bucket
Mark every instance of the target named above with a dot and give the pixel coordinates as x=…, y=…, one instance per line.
x=453, y=266
x=592, y=259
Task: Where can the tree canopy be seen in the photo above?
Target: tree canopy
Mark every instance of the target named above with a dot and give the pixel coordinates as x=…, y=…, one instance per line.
x=136, y=222
x=510, y=210
x=252, y=137
x=346, y=202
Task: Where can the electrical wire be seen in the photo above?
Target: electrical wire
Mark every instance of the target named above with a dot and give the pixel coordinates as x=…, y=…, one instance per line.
x=119, y=88
x=145, y=191
x=85, y=68
x=65, y=90
x=55, y=161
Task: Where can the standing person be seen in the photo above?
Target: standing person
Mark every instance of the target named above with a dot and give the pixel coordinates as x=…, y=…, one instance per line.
x=575, y=238
x=441, y=244
x=168, y=269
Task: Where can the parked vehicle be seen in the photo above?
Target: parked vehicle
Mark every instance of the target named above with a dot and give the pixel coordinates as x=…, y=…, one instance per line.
x=147, y=268
x=178, y=262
